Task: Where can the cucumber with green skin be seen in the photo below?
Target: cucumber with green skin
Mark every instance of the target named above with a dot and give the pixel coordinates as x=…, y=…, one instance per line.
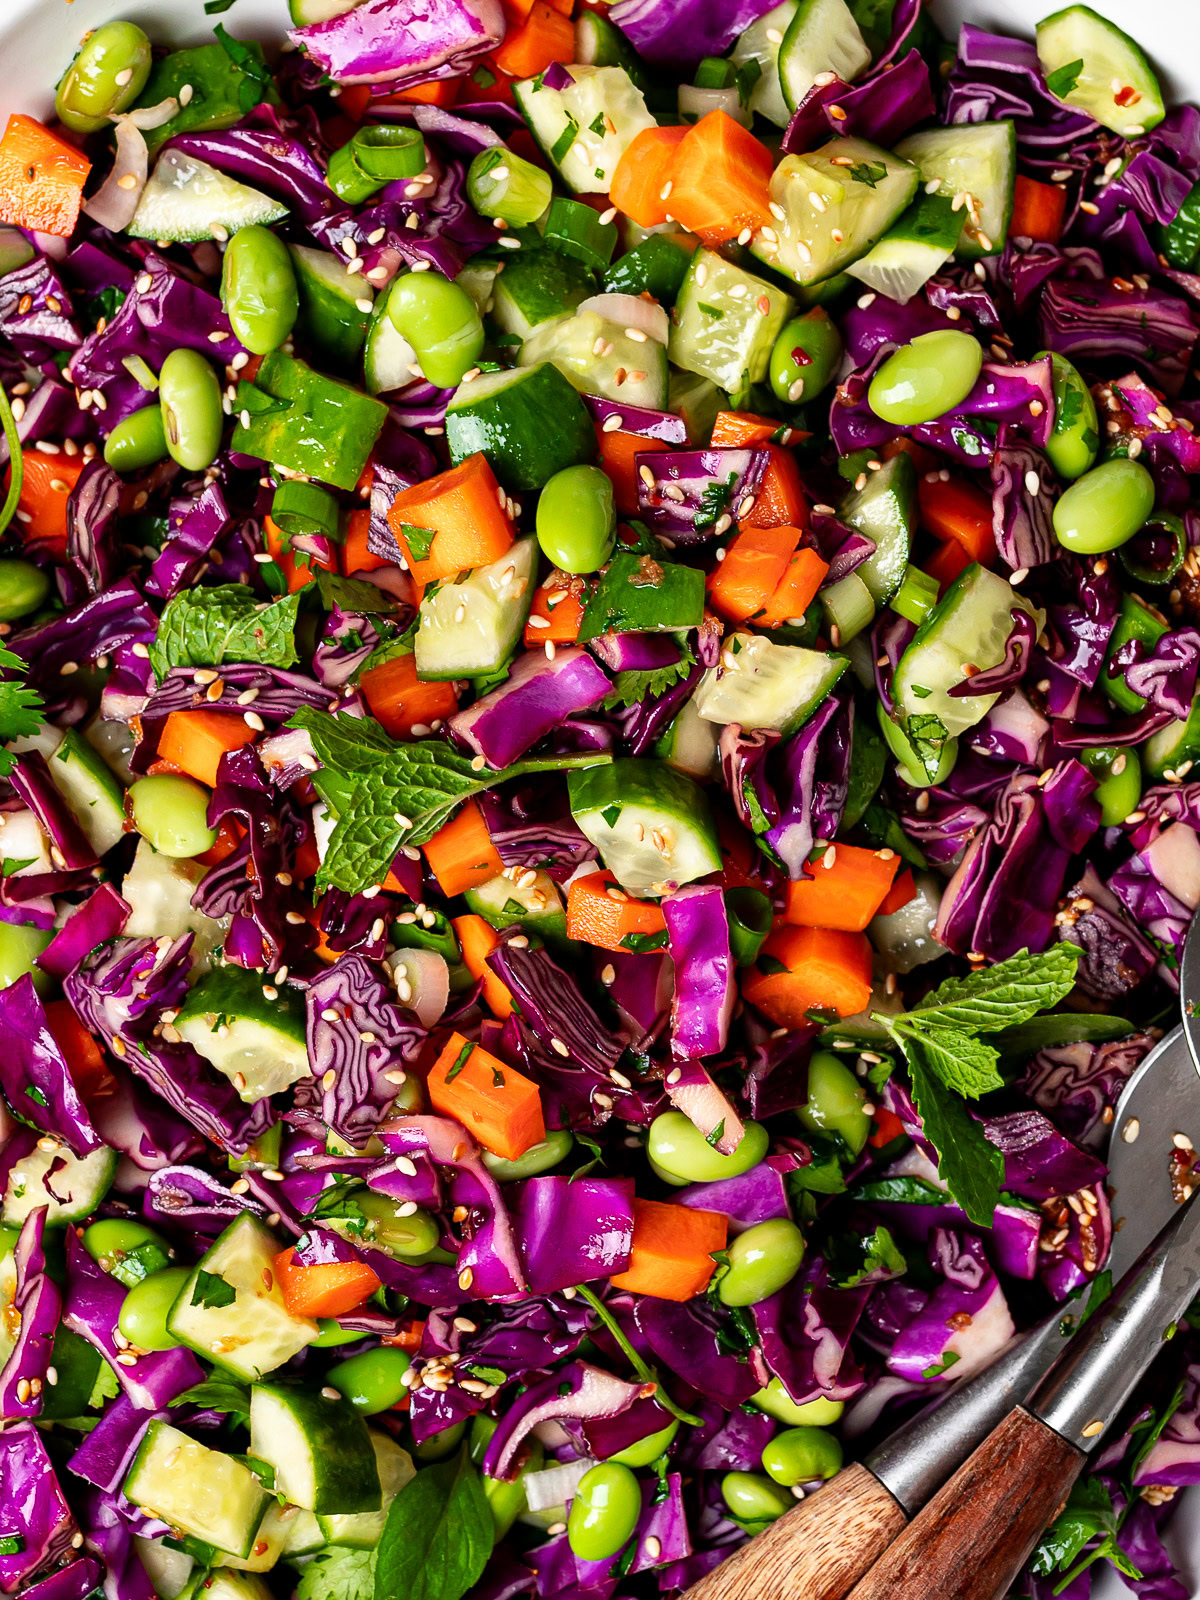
x=187, y=200
x=885, y=510
x=651, y=824
x=363, y=1530
x=917, y=245
x=537, y=286
x=1174, y=746
x=761, y=684
x=75, y=1189
x=636, y=594
x=528, y=421
x=259, y=1044
x=821, y=37
x=470, y=625
x=200, y=1491
x=1135, y=620
x=331, y=320
x=600, y=357
x=586, y=128
x=978, y=160
x=1095, y=66
x=537, y=906
x=726, y=322
x=760, y=44
x=320, y=1449
x=657, y=267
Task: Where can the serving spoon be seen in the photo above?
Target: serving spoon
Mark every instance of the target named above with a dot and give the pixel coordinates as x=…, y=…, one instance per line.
x=829, y=1541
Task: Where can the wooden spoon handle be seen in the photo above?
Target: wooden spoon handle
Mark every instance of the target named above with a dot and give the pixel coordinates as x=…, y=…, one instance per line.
x=977, y=1532
x=815, y=1552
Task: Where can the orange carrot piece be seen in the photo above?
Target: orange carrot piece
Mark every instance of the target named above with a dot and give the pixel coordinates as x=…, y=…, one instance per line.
x=544, y=37
x=461, y=854
x=672, y=1254
x=463, y=509
x=756, y=560
x=223, y=846
x=442, y=92
x=497, y=1104
x=355, y=555
x=401, y=701
x=517, y=10
x=1038, y=210
x=47, y=483
x=600, y=917
x=196, y=740
x=902, y=891
x=958, y=510
x=824, y=969
x=298, y=571
x=796, y=590
x=847, y=893
x=719, y=179
x=733, y=429
x=41, y=178
x=84, y=1058
x=564, y=617
x=643, y=172
x=780, y=500
x=477, y=939
x=617, y=457
x=947, y=562
x=924, y=460
x=329, y=1290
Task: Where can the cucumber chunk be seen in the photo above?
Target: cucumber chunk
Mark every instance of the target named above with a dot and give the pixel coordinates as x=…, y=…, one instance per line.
x=1175, y=747
x=978, y=160
x=253, y=1333
x=269, y=1541
x=821, y=37
x=1091, y=63
x=259, y=1044
x=885, y=509
x=529, y=422
x=22, y=839
x=387, y=356
x=203, y=1492
x=625, y=369
x=689, y=744
x=186, y=199
x=760, y=684
x=969, y=627
x=726, y=321
x=320, y=1449
x=586, y=129
x=331, y=320
x=93, y=793
x=363, y=1530
x=77, y=1187
x=861, y=190
x=535, y=287
x=222, y=1583
x=158, y=890
x=469, y=627
x=168, y=1570
x=916, y=246
x=651, y=825
x=760, y=43
x=537, y=905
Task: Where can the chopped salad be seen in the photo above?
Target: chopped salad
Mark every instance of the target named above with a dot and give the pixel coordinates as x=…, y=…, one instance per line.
x=599, y=630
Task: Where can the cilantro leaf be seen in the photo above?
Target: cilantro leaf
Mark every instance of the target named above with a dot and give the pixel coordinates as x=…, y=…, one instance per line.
x=352, y=594
x=106, y=1386
x=205, y=627
x=438, y=1535
x=1088, y=1515
x=218, y=1394
x=633, y=687
x=338, y=1574
x=969, y=1164
x=1063, y=79
x=714, y=501
x=927, y=734
x=212, y=1290
x=418, y=540
x=864, y=1258
x=20, y=706
x=868, y=172
x=1001, y=996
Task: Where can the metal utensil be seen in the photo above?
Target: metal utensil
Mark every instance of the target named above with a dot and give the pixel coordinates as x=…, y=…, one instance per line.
x=822, y=1548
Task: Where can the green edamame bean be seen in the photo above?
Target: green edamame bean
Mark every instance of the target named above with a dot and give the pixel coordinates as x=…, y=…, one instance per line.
x=754, y=1498
x=761, y=1260
x=911, y=770
x=1075, y=441
x=806, y=356
x=20, y=945
x=555, y=1147
x=106, y=77
x=507, y=1500
x=778, y=1403
x=258, y=289
x=23, y=588
x=410, y=1235
x=138, y=441
x=643, y=1451
x=835, y=1101
x=678, y=1147
x=190, y=396
x=1104, y=508
x=332, y=1334
x=604, y=1512
x=440, y=321
x=440, y=1445
x=127, y=1249
x=926, y=377
x=801, y=1454
x=1120, y=781
x=577, y=519
x=144, y=1310
x=373, y=1380
x=170, y=811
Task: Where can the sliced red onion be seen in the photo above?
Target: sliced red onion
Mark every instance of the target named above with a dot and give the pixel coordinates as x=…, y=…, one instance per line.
x=116, y=200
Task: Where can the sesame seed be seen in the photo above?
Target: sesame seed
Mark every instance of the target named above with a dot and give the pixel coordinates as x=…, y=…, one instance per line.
x=185, y=94
x=1092, y=1429
x=466, y=1278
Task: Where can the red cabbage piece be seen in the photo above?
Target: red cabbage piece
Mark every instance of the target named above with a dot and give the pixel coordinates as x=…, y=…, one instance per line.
x=95, y=627
x=1160, y=885
x=34, y=327
x=698, y=943
x=356, y=1032
x=881, y=109
x=75, y=1581
x=578, y=1391
x=1064, y=1268
x=1076, y=1083
x=1039, y=1161
x=531, y=702
x=685, y=1336
x=111, y=1524
x=260, y=151
x=34, y=1514
x=90, y=924
x=965, y=1322
x=634, y=652
x=695, y=495
x=37, y=1305
x=195, y=524
x=105, y=1454
x=554, y=1008
x=646, y=424
x=1174, y=1457
x=996, y=77
x=69, y=847
x=93, y=555
x=640, y=725
x=814, y=784
x=1012, y=731
x=743, y=758
x=1140, y=415
x=917, y=1206
x=1115, y=955
x=679, y=32
x=805, y=1332
x=736, y=1445
x=777, y=1069
x=34, y=1075
x=755, y=1196
x=403, y=41
x=641, y=990
x=1165, y=674
x=189, y=1195
x=93, y=1304
x=572, y=1231
x=139, y=1125
x=162, y=312
x=278, y=695
x=891, y=635
x=51, y=413
x=1022, y=516
x=1096, y=325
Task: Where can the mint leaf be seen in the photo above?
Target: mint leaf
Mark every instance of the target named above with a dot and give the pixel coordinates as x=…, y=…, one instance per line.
x=212, y=1290
x=1063, y=79
x=1001, y=996
x=962, y=1063
x=968, y=1163
x=352, y=594
x=349, y=746
x=20, y=706
x=438, y=1535
x=205, y=627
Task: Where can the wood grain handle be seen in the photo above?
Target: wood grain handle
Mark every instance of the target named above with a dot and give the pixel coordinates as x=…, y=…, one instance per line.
x=976, y=1534
x=816, y=1552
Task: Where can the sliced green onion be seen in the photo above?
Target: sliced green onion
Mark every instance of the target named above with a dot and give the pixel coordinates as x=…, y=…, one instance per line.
x=141, y=372
x=300, y=507
x=576, y=230
x=505, y=185
x=715, y=72
x=16, y=461
x=375, y=156
x=849, y=608
x=1156, y=552
x=916, y=596
x=749, y=913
